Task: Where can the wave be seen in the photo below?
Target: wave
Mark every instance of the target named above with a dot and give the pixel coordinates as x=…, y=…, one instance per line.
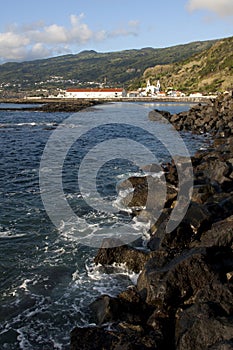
x=30, y=124
x=10, y=234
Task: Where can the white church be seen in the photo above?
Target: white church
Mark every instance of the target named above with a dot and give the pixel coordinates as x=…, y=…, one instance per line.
x=151, y=90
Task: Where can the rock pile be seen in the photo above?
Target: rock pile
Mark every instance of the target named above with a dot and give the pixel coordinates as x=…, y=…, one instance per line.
x=214, y=117
x=183, y=299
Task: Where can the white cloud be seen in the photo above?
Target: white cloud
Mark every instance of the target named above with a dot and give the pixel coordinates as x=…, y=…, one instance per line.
x=38, y=40
x=222, y=8
x=10, y=40
x=39, y=51
x=80, y=31
x=12, y=45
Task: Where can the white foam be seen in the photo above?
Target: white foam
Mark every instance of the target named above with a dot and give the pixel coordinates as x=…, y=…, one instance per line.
x=13, y=125
x=109, y=280
x=24, y=284
x=155, y=175
x=23, y=342
x=11, y=234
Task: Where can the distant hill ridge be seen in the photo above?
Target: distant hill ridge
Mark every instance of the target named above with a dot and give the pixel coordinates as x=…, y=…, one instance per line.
x=208, y=71
x=114, y=68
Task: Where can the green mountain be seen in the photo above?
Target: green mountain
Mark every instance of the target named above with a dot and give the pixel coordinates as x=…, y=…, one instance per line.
x=208, y=71
x=113, y=68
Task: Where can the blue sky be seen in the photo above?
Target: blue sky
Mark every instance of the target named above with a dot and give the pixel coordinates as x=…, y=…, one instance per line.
x=40, y=29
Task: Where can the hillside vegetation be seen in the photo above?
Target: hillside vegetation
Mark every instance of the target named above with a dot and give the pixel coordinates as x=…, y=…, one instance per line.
x=208, y=71
x=115, y=68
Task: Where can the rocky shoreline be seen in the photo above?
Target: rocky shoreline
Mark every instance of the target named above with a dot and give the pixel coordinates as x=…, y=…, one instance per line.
x=183, y=299
x=43, y=105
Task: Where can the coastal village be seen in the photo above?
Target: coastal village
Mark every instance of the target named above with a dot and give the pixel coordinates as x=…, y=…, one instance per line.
x=148, y=91
x=104, y=92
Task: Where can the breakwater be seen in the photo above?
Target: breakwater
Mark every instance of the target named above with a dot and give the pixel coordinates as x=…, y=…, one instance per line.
x=183, y=298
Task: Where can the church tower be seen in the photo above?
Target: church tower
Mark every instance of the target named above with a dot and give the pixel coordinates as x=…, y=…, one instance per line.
x=148, y=84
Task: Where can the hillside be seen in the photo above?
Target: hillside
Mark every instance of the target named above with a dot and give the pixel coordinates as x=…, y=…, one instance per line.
x=115, y=68
x=208, y=71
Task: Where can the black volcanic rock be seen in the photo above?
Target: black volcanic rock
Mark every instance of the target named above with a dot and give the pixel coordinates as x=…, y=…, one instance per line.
x=214, y=117
x=148, y=191
x=123, y=337
x=183, y=299
x=220, y=235
x=128, y=307
x=133, y=258
x=177, y=282
x=203, y=326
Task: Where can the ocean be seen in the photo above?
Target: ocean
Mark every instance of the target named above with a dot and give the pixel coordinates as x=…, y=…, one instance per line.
x=53, y=213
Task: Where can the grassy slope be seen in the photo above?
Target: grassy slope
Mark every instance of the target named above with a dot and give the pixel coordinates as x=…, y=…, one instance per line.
x=209, y=71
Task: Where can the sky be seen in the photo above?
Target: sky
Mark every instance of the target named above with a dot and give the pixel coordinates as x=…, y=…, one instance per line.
x=32, y=30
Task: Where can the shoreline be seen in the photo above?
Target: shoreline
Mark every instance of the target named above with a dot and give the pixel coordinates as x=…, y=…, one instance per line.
x=183, y=299
x=49, y=106
x=63, y=105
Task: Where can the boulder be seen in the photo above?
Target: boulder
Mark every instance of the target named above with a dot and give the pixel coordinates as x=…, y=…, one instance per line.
x=128, y=306
x=203, y=326
x=150, y=192
x=196, y=220
x=202, y=192
x=198, y=217
x=177, y=240
x=106, y=309
x=188, y=277
x=220, y=235
x=216, y=170
x=159, y=116
x=133, y=258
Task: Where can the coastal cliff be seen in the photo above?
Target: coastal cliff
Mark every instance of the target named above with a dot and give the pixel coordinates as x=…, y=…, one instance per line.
x=183, y=298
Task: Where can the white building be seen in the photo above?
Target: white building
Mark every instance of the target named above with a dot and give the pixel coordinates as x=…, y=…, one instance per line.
x=95, y=93
x=196, y=94
x=151, y=90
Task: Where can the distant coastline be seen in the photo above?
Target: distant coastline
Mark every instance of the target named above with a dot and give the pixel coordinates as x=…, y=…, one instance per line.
x=61, y=104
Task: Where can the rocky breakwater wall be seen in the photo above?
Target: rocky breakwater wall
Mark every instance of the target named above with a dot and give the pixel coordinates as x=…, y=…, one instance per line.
x=183, y=298
x=214, y=117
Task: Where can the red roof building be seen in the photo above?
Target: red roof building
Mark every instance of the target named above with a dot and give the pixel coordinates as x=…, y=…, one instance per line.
x=95, y=93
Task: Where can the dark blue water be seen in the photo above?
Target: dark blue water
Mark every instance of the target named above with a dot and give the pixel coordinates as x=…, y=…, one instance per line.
x=47, y=278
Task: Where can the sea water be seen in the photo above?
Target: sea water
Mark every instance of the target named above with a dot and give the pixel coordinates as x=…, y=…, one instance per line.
x=47, y=278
